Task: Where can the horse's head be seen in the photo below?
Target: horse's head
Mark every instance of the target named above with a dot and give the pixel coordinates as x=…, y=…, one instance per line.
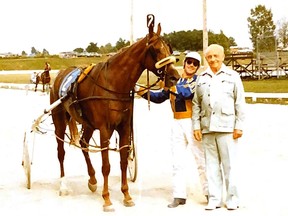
x=158, y=58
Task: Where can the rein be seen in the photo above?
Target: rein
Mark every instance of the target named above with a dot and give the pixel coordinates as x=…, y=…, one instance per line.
x=114, y=98
x=96, y=148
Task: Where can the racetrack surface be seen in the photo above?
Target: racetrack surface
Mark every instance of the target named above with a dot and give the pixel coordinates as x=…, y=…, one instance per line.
x=262, y=168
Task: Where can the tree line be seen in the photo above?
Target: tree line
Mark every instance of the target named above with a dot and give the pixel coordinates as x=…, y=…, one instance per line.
x=265, y=35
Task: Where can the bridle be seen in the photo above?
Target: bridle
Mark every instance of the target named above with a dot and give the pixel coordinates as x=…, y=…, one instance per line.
x=160, y=72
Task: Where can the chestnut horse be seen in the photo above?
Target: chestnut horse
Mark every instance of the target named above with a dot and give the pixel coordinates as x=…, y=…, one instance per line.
x=44, y=78
x=103, y=101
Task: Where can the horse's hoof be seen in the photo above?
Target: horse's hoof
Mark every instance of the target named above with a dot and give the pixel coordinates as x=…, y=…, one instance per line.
x=64, y=190
x=109, y=208
x=92, y=187
x=128, y=203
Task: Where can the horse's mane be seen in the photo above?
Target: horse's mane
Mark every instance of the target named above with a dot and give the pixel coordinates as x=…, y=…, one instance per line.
x=123, y=49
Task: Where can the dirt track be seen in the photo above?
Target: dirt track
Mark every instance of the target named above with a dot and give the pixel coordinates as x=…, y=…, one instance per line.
x=263, y=154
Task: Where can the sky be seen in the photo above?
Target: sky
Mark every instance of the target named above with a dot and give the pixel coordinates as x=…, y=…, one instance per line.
x=63, y=25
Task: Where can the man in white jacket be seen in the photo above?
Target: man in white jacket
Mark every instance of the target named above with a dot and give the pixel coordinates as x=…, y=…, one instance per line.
x=218, y=115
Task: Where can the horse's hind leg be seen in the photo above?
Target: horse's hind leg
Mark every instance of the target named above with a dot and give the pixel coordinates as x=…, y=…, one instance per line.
x=60, y=127
x=92, y=182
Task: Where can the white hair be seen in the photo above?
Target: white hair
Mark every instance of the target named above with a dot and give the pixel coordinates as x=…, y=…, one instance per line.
x=214, y=47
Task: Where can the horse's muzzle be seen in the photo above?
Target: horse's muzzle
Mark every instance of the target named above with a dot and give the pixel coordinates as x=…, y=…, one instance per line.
x=172, y=76
x=170, y=81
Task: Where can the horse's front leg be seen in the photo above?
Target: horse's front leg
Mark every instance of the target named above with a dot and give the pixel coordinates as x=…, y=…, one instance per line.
x=92, y=182
x=124, y=153
x=36, y=84
x=108, y=206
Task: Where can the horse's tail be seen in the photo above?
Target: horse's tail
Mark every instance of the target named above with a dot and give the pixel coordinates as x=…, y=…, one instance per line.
x=74, y=133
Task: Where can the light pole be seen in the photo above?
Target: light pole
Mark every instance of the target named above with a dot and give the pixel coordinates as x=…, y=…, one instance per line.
x=277, y=57
x=258, y=57
x=131, y=25
x=205, y=33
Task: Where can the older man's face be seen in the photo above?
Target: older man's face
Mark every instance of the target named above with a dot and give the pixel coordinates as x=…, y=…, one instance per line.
x=215, y=58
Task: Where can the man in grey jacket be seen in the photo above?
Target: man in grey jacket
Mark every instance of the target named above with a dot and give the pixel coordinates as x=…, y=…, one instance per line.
x=218, y=115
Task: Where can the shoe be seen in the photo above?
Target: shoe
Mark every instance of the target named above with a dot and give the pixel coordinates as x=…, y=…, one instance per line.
x=176, y=202
x=212, y=206
x=232, y=203
x=232, y=206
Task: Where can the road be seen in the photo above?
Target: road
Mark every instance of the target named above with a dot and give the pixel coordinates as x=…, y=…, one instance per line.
x=262, y=173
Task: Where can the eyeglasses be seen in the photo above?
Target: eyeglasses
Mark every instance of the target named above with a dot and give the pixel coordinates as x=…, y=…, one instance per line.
x=193, y=61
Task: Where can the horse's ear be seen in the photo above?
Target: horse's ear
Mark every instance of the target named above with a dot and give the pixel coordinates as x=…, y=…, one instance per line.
x=159, y=29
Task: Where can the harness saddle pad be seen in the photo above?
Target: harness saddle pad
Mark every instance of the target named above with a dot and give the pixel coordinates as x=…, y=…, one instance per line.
x=85, y=73
x=68, y=80
x=76, y=75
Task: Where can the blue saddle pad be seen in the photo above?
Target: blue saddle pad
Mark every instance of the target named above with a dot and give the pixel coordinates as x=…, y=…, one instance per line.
x=68, y=80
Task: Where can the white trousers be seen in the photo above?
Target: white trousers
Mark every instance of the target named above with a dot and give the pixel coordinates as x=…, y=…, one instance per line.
x=182, y=137
x=220, y=152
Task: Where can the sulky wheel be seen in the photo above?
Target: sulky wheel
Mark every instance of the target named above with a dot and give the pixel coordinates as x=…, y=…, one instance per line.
x=132, y=160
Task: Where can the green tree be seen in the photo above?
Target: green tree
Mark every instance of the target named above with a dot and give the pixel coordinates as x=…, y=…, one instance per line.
x=45, y=52
x=23, y=53
x=221, y=39
x=181, y=40
x=232, y=41
x=262, y=27
x=193, y=40
x=79, y=50
x=92, y=47
x=185, y=40
x=34, y=51
x=283, y=33
x=107, y=48
x=121, y=43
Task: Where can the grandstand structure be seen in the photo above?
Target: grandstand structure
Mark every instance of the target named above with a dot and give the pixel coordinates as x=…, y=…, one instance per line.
x=265, y=66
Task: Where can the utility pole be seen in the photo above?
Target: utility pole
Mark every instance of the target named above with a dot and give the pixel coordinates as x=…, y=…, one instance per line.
x=258, y=57
x=205, y=33
x=131, y=25
x=277, y=56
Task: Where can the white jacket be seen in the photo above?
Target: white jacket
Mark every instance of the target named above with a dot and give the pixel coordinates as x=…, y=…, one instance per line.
x=219, y=101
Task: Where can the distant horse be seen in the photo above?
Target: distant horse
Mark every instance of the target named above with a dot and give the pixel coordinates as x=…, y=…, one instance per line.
x=103, y=101
x=44, y=78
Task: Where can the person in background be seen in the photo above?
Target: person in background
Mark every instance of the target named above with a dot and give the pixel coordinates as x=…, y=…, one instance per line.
x=46, y=72
x=180, y=97
x=33, y=77
x=47, y=67
x=218, y=115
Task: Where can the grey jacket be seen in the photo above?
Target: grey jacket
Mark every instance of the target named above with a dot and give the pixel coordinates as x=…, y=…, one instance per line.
x=219, y=101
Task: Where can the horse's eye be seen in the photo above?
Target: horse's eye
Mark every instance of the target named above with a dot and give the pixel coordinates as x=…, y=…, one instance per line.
x=153, y=52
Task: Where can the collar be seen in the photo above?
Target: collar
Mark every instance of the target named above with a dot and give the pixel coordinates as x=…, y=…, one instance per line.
x=223, y=69
x=184, y=76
